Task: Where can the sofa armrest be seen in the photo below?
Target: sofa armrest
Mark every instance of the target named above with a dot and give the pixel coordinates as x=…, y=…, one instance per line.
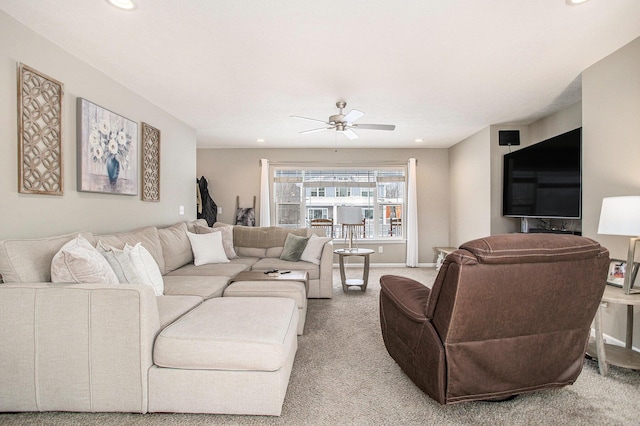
x=76, y=347
x=326, y=270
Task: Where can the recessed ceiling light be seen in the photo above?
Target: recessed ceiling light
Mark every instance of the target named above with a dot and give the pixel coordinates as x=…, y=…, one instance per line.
x=259, y=140
x=123, y=4
x=418, y=140
x=575, y=2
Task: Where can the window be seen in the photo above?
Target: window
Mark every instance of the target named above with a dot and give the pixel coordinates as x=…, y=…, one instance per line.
x=343, y=192
x=319, y=191
x=322, y=213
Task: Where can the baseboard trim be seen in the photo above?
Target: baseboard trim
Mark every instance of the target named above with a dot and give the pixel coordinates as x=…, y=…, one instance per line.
x=612, y=340
x=384, y=265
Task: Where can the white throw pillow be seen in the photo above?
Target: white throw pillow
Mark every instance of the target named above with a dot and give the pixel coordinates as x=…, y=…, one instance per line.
x=121, y=263
x=227, y=238
x=207, y=248
x=313, y=251
x=146, y=267
x=79, y=262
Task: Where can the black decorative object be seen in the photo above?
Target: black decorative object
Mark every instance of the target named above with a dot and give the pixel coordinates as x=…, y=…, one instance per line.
x=207, y=208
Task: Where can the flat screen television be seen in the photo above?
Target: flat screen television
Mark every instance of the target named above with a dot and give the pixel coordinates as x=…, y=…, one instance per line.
x=544, y=180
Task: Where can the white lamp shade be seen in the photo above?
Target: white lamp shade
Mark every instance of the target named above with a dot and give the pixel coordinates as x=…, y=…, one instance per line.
x=349, y=215
x=620, y=216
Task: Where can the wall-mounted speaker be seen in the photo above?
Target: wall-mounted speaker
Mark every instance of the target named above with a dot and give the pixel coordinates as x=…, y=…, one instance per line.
x=508, y=137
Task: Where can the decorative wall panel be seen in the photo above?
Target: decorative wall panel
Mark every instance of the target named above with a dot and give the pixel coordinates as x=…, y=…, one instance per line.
x=150, y=163
x=39, y=133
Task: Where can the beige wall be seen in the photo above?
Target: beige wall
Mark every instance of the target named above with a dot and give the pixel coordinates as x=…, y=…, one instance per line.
x=26, y=215
x=499, y=223
x=611, y=152
x=476, y=165
x=470, y=183
x=236, y=172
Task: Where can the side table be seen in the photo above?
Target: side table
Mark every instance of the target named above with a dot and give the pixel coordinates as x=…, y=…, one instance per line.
x=346, y=283
x=442, y=253
x=612, y=354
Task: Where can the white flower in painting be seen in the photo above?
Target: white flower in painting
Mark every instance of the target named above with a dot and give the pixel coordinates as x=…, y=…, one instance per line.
x=94, y=138
x=94, y=125
x=104, y=127
x=98, y=152
x=113, y=146
x=122, y=138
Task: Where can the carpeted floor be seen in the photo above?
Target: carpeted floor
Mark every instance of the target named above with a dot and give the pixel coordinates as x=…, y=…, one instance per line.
x=343, y=376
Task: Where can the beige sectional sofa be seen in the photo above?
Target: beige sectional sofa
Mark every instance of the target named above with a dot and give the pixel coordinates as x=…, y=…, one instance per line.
x=120, y=347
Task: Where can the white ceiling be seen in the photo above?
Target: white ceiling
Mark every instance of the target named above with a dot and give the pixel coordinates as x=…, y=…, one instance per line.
x=440, y=70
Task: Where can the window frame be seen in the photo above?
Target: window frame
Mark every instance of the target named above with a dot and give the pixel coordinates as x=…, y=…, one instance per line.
x=372, y=177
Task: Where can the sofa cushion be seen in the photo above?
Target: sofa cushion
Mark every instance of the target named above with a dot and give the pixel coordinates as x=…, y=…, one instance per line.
x=263, y=237
x=207, y=248
x=148, y=236
x=30, y=260
x=292, y=289
x=171, y=308
x=229, y=269
x=313, y=251
x=146, y=267
x=205, y=287
x=252, y=252
x=246, y=261
x=293, y=247
x=176, y=248
x=191, y=226
x=79, y=262
x=230, y=333
x=227, y=237
x=273, y=252
x=121, y=263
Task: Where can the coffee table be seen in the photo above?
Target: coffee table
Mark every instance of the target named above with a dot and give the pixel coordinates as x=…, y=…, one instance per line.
x=302, y=276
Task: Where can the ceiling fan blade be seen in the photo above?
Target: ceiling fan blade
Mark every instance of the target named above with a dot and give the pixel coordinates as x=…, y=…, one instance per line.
x=310, y=119
x=316, y=130
x=375, y=126
x=350, y=134
x=352, y=116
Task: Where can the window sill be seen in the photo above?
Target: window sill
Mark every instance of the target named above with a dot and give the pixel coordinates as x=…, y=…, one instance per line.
x=367, y=241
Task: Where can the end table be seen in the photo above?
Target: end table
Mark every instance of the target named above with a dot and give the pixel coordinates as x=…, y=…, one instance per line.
x=607, y=354
x=346, y=283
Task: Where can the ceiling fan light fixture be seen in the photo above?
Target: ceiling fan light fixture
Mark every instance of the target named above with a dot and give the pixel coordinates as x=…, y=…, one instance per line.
x=122, y=4
x=343, y=123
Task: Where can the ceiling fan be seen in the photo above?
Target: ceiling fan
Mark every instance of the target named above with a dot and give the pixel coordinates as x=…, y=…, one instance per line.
x=345, y=123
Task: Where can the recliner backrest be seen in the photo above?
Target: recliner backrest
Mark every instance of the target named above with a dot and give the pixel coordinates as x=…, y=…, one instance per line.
x=515, y=285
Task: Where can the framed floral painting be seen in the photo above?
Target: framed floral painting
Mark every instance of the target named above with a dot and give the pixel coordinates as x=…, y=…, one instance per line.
x=107, y=151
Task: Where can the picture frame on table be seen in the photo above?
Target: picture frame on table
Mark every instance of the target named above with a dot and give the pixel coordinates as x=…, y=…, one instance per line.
x=618, y=270
x=107, y=150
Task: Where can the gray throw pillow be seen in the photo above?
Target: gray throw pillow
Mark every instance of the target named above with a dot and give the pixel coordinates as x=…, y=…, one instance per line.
x=293, y=247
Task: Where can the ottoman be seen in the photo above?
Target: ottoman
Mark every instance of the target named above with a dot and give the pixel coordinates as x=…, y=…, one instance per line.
x=230, y=355
x=290, y=289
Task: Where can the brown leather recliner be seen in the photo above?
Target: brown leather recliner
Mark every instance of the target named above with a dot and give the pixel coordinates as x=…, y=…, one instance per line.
x=507, y=314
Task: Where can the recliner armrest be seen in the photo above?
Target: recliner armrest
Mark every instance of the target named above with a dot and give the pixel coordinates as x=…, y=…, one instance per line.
x=409, y=295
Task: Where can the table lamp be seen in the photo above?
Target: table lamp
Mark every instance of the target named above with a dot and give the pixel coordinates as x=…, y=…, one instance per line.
x=350, y=216
x=621, y=216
